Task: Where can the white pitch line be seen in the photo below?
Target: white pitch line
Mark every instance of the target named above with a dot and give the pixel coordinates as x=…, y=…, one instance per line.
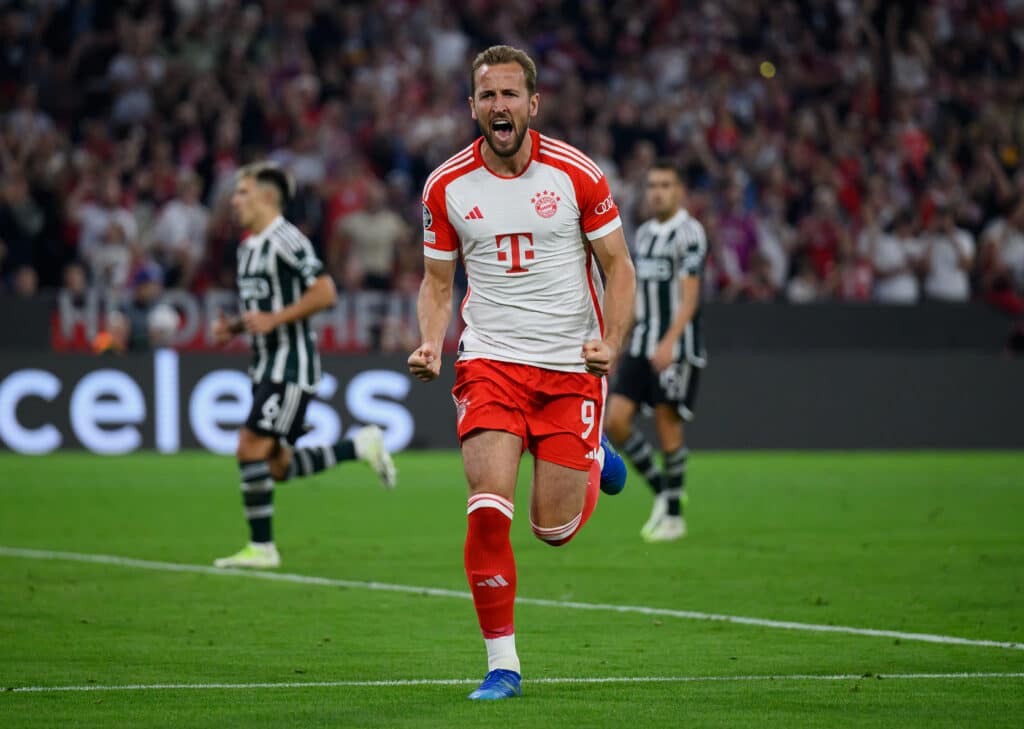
x=440, y=592
x=471, y=681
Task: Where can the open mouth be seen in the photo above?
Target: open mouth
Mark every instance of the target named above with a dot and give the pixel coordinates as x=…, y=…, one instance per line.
x=502, y=129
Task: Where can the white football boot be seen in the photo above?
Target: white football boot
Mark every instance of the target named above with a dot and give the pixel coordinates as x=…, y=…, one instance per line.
x=668, y=529
x=369, y=445
x=254, y=555
x=659, y=510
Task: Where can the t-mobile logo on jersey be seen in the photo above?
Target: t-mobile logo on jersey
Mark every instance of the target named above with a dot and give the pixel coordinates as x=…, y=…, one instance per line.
x=519, y=246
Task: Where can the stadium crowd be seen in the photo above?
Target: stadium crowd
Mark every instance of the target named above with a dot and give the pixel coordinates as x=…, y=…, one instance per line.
x=834, y=149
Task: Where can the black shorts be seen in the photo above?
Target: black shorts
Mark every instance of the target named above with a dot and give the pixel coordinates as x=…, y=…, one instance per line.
x=636, y=380
x=278, y=410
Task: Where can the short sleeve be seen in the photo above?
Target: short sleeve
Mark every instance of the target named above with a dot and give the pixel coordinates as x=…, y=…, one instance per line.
x=693, y=251
x=440, y=241
x=599, y=215
x=296, y=252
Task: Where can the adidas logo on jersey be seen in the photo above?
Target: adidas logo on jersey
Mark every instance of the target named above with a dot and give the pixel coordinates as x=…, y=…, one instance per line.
x=496, y=581
x=474, y=214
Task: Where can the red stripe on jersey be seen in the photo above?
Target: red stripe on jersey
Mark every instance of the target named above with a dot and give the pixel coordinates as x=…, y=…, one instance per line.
x=461, y=156
x=571, y=151
x=441, y=172
x=547, y=152
x=445, y=170
x=458, y=156
x=466, y=297
x=593, y=290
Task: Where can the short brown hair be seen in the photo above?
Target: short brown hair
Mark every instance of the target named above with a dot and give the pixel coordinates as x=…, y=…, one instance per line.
x=505, y=54
x=269, y=174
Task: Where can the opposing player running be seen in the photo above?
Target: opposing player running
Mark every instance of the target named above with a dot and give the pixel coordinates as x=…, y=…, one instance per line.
x=528, y=215
x=661, y=368
x=281, y=284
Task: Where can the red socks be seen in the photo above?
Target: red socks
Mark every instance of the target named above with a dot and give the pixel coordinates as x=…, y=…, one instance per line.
x=490, y=564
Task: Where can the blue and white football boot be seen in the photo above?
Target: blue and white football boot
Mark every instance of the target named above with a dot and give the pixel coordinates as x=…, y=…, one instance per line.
x=500, y=683
x=613, y=468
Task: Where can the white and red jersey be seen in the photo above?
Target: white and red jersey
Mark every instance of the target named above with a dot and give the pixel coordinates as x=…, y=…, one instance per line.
x=534, y=291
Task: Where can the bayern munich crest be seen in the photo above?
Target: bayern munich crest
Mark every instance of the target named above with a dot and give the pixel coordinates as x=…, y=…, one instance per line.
x=545, y=203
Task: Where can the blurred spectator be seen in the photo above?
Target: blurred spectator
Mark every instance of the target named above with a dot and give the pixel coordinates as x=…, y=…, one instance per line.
x=111, y=259
x=364, y=249
x=162, y=176
x=821, y=233
x=94, y=206
x=805, y=287
x=776, y=238
x=303, y=159
x=409, y=271
x=222, y=164
x=948, y=254
x=736, y=238
x=1002, y=261
x=75, y=281
x=851, y=278
x=26, y=121
x=146, y=289
x=449, y=46
x=178, y=238
x=21, y=223
x=760, y=283
x=895, y=257
x=135, y=71
x=346, y=193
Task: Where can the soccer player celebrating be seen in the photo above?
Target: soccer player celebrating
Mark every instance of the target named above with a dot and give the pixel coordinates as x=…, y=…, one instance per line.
x=666, y=352
x=527, y=214
x=281, y=284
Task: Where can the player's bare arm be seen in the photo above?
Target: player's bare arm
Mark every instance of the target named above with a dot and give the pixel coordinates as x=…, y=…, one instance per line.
x=321, y=295
x=689, y=290
x=434, y=311
x=619, y=293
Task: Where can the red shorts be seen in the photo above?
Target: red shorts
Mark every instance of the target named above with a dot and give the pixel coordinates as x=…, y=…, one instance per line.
x=557, y=414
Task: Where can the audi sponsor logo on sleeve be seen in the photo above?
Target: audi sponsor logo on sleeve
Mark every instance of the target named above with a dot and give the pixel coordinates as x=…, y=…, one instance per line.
x=605, y=206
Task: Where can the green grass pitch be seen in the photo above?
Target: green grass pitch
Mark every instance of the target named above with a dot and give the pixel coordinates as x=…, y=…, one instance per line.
x=906, y=542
